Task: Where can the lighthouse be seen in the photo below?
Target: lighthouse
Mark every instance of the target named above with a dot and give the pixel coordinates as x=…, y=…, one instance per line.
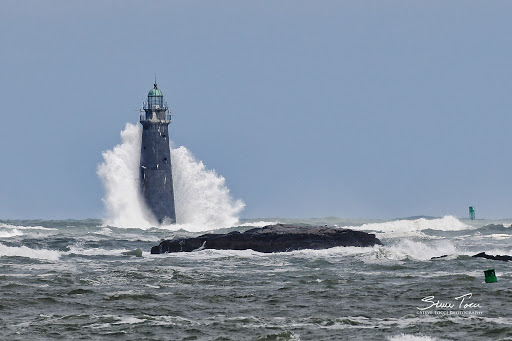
x=155, y=173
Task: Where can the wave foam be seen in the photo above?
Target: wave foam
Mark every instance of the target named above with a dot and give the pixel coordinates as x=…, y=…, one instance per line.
x=20, y=227
x=404, y=249
x=258, y=223
x=104, y=232
x=79, y=249
x=10, y=233
x=420, y=251
x=23, y=251
x=408, y=228
x=409, y=337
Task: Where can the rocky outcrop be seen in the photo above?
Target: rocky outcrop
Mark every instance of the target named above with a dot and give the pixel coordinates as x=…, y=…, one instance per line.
x=484, y=255
x=273, y=238
x=497, y=257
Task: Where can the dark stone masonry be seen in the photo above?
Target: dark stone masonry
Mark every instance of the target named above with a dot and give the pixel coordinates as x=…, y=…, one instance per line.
x=155, y=172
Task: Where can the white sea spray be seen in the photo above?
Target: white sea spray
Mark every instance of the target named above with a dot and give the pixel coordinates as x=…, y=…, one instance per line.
x=119, y=174
x=413, y=228
x=24, y=251
x=202, y=198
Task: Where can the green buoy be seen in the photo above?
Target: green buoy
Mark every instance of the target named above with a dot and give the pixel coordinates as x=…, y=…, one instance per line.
x=490, y=276
x=471, y=213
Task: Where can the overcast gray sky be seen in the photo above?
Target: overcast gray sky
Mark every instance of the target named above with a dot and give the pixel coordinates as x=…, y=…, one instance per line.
x=308, y=108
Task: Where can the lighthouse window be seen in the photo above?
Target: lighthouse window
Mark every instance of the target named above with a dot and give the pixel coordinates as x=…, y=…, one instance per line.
x=163, y=135
x=165, y=159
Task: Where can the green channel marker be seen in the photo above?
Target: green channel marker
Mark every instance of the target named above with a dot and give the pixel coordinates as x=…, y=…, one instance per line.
x=471, y=213
x=490, y=276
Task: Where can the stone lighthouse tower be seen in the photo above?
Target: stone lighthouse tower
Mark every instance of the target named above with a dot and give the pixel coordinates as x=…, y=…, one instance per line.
x=155, y=173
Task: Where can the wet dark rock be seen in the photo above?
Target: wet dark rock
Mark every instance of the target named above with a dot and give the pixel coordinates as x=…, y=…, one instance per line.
x=443, y=256
x=497, y=257
x=272, y=238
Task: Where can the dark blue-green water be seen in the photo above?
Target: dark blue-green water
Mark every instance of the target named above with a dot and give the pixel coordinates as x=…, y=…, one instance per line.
x=72, y=280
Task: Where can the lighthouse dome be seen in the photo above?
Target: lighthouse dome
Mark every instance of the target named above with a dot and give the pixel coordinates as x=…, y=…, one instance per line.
x=155, y=92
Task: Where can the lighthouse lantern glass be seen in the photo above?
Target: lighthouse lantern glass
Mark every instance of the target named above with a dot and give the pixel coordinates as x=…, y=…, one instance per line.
x=155, y=102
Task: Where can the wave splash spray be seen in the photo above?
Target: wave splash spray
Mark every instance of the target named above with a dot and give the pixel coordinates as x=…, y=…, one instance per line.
x=201, y=195
x=413, y=228
x=202, y=199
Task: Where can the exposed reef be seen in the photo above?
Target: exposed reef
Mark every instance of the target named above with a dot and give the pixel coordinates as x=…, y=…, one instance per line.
x=272, y=238
x=497, y=257
x=484, y=255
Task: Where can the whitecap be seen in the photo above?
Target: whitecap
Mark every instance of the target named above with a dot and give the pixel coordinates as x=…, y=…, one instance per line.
x=129, y=320
x=261, y=223
x=11, y=233
x=498, y=236
x=23, y=251
x=410, y=337
x=21, y=227
x=413, y=228
x=421, y=251
x=78, y=249
x=104, y=232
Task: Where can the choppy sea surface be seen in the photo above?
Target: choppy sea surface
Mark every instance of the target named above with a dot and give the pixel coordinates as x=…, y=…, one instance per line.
x=81, y=279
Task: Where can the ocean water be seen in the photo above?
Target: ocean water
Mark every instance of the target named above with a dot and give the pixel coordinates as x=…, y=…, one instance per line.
x=96, y=279
x=80, y=279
